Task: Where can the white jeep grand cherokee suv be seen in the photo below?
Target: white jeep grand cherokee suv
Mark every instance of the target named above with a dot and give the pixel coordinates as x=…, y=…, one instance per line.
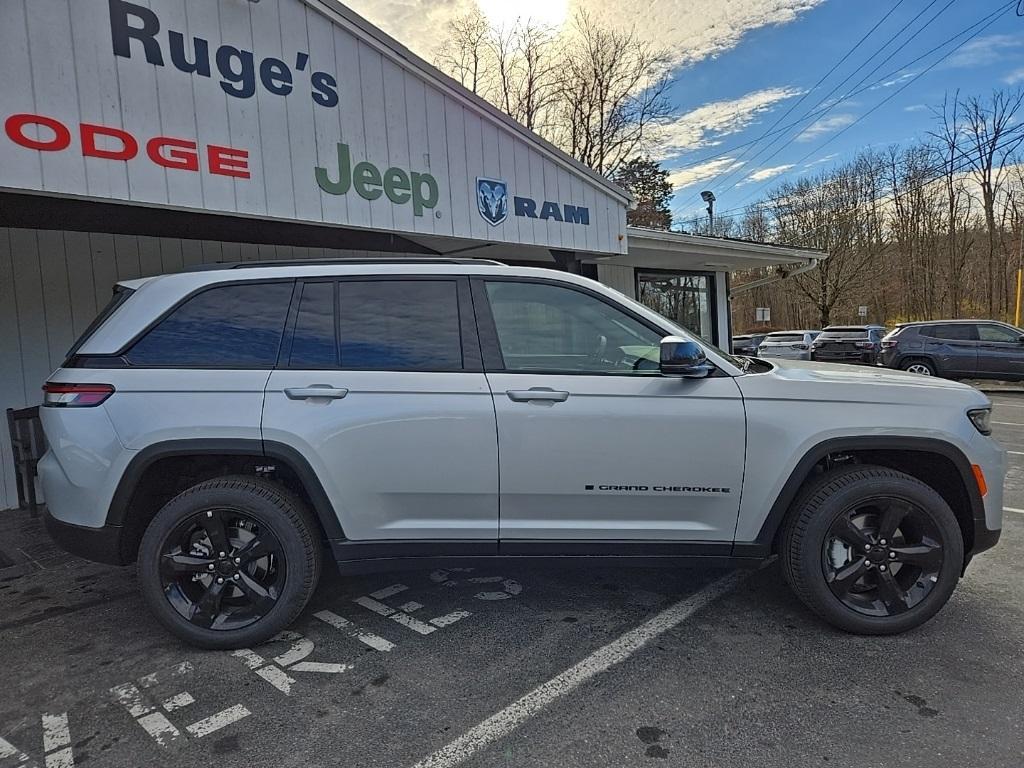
x=227, y=428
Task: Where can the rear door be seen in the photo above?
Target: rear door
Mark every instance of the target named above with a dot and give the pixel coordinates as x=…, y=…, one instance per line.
x=380, y=386
x=953, y=346
x=1000, y=351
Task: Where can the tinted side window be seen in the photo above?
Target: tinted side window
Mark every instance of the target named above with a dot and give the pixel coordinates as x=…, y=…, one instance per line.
x=233, y=326
x=951, y=332
x=550, y=328
x=400, y=325
x=997, y=333
x=315, y=339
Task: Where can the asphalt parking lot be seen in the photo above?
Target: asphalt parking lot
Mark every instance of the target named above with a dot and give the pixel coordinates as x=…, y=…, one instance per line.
x=519, y=666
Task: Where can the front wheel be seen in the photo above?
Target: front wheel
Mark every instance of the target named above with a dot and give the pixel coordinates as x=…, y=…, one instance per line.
x=229, y=562
x=872, y=550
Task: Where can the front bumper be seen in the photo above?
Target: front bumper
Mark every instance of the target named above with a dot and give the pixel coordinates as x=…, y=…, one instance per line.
x=102, y=545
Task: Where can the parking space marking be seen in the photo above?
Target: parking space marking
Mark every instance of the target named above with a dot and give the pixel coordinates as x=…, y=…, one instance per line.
x=376, y=642
x=507, y=720
x=1016, y=453
x=223, y=719
x=1013, y=509
x=399, y=617
x=159, y=727
x=178, y=701
x=384, y=594
x=449, y=618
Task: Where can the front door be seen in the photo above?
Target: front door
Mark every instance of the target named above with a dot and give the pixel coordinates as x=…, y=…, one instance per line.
x=1000, y=352
x=594, y=443
x=953, y=346
x=380, y=386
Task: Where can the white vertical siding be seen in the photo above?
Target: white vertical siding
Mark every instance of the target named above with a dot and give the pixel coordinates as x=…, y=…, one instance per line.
x=722, y=310
x=392, y=111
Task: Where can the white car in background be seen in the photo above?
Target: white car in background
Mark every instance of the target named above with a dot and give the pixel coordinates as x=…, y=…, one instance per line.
x=791, y=345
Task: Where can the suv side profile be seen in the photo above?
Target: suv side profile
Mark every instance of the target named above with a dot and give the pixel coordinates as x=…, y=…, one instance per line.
x=228, y=429
x=976, y=349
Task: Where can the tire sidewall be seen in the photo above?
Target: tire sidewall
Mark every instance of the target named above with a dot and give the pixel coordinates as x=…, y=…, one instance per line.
x=921, y=361
x=895, y=485
x=301, y=569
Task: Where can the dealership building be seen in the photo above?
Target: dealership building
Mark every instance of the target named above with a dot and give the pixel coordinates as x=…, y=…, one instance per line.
x=152, y=137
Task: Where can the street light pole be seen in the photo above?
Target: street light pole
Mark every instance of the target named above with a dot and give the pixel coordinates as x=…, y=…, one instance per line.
x=709, y=197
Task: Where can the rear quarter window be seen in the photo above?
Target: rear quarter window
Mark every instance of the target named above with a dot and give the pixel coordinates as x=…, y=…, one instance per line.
x=230, y=326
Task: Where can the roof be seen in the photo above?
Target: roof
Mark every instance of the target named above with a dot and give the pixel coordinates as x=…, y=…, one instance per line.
x=402, y=56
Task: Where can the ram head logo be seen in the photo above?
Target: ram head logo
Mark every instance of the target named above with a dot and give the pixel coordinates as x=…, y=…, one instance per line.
x=492, y=200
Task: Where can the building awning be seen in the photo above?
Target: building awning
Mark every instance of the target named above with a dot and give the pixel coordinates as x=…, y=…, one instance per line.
x=660, y=249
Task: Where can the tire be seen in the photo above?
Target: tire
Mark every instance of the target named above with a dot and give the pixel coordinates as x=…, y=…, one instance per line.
x=232, y=605
x=864, y=495
x=919, y=365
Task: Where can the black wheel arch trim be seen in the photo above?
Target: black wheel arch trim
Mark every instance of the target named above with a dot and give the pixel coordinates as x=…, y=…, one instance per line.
x=119, y=505
x=762, y=545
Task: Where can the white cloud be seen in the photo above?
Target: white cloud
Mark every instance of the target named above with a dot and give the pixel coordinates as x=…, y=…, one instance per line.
x=901, y=78
x=692, y=30
x=821, y=160
x=916, y=108
x=825, y=125
x=684, y=177
x=985, y=50
x=1017, y=76
x=763, y=174
x=702, y=126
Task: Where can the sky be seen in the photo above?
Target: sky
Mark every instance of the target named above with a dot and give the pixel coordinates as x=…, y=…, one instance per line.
x=743, y=68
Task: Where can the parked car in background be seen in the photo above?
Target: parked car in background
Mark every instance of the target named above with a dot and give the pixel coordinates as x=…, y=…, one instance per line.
x=855, y=344
x=747, y=343
x=792, y=345
x=979, y=349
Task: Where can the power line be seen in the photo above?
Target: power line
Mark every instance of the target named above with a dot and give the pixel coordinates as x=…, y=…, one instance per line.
x=998, y=12
x=904, y=86
x=839, y=100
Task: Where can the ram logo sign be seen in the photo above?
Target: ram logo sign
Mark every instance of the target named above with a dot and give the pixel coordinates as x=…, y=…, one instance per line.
x=492, y=203
x=492, y=200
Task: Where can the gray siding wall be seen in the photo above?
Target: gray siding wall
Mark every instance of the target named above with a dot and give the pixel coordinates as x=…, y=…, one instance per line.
x=52, y=284
x=622, y=279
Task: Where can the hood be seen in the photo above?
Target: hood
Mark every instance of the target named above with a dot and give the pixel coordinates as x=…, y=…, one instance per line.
x=792, y=379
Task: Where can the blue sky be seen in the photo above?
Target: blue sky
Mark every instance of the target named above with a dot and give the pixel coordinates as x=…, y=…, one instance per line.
x=736, y=95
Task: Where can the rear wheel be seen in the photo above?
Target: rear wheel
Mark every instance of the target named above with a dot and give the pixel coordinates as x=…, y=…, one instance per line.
x=229, y=562
x=920, y=366
x=872, y=550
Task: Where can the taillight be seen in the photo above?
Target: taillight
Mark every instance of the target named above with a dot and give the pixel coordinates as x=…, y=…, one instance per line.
x=61, y=395
x=799, y=346
x=887, y=344
x=864, y=344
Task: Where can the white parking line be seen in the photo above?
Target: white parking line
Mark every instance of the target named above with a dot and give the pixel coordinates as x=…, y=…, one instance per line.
x=1013, y=509
x=1008, y=423
x=1016, y=453
x=369, y=638
x=220, y=720
x=507, y=720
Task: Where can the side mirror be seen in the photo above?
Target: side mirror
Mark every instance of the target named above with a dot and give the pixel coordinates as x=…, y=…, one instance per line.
x=1020, y=339
x=681, y=357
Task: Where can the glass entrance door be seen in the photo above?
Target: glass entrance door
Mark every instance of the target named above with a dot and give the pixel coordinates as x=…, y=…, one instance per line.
x=686, y=298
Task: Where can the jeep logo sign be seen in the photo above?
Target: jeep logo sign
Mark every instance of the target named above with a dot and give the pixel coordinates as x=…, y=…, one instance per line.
x=370, y=183
x=492, y=204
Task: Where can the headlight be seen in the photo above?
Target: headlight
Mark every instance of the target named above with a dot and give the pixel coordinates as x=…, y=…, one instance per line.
x=982, y=419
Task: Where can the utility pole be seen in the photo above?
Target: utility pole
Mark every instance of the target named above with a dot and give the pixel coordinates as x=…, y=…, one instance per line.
x=1020, y=261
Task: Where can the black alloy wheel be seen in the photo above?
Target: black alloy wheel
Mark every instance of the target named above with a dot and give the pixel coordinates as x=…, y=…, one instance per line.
x=871, y=550
x=230, y=562
x=222, y=569
x=883, y=556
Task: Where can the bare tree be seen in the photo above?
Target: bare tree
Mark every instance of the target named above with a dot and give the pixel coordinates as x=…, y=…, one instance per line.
x=991, y=137
x=463, y=53
x=613, y=96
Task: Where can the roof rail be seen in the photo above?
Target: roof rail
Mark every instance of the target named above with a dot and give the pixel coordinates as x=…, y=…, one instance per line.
x=341, y=260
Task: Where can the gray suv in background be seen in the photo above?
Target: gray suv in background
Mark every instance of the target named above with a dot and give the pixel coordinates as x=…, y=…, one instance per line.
x=855, y=344
x=981, y=349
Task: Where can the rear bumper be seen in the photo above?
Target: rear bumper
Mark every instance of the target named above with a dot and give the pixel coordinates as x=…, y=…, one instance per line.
x=846, y=358
x=102, y=545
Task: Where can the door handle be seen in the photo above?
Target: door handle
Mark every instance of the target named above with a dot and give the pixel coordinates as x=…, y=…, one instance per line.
x=315, y=390
x=537, y=393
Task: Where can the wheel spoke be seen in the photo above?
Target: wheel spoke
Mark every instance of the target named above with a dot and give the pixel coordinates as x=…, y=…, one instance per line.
x=891, y=518
x=207, y=609
x=254, y=550
x=178, y=563
x=212, y=523
x=891, y=593
x=844, y=530
x=262, y=598
x=842, y=580
x=926, y=556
